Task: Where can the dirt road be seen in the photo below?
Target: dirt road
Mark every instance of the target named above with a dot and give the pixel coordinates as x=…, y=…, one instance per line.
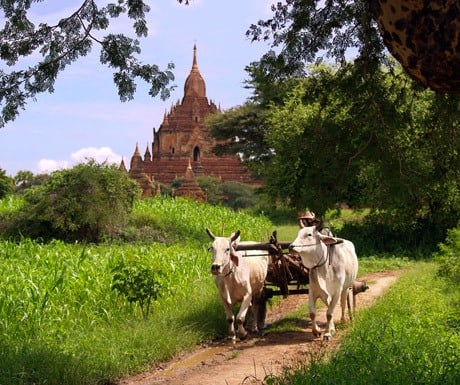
x=249, y=362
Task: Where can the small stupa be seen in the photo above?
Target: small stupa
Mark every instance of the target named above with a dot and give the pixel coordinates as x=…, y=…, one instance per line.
x=190, y=187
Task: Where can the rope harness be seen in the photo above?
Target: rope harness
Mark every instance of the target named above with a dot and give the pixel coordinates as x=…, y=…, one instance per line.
x=324, y=259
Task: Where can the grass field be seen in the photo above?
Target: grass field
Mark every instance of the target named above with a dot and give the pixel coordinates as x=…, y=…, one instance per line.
x=62, y=323
x=411, y=336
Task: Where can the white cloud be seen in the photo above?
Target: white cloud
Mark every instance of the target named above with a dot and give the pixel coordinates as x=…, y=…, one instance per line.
x=45, y=166
x=100, y=155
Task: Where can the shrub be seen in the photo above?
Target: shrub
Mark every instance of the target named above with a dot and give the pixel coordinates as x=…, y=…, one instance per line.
x=139, y=281
x=449, y=256
x=84, y=203
x=213, y=188
x=372, y=237
x=238, y=195
x=230, y=194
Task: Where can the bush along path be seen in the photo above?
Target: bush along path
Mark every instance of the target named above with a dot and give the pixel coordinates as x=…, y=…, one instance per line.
x=286, y=342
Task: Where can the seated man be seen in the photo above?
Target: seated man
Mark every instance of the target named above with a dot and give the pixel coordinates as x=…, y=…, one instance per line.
x=308, y=219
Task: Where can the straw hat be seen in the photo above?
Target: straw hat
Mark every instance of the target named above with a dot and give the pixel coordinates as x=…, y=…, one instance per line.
x=306, y=215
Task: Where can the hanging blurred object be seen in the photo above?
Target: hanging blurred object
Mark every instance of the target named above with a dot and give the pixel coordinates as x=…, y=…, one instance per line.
x=424, y=36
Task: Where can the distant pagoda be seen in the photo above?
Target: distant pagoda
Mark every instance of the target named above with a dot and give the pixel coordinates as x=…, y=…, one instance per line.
x=183, y=140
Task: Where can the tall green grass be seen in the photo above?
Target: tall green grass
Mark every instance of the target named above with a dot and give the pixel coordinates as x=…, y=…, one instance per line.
x=61, y=323
x=411, y=336
x=184, y=221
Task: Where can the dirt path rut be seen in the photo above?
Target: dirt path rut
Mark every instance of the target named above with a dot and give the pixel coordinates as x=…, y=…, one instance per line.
x=251, y=361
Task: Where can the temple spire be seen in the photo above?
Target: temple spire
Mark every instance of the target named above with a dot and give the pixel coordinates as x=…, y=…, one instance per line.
x=194, y=84
x=195, y=62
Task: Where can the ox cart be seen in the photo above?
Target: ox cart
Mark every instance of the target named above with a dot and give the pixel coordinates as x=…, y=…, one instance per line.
x=286, y=274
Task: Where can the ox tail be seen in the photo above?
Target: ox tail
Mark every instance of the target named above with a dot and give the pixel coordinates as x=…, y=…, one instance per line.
x=350, y=310
x=358, y=287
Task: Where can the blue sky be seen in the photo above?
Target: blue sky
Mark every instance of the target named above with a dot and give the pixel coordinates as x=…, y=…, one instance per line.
x=84, y=116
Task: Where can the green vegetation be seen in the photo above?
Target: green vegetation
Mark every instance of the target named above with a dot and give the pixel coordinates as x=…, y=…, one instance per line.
x=139, y=281
x=287, y=227
x=24, y=180
x=410, y=336
x=94, y=202
x=371, y=237
x=375, y=263
x=287, y=232
x=10, y=205
x=62, y=322
x=351, y=132
x=229, y=194
x=84, y=203
x=6, y=184
x=76, y=313
x=358, y=159
x=448, y=257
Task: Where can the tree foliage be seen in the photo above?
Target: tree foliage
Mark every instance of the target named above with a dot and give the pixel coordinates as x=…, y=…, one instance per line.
x=448, y=257
x=311, y=31
x=228, y=194
x=24, y=180
x=62, y=44
x=245, y=126
x=385, y=144
x=398, y=156
x=339, y=121
x=86, y=203
x=6, y=184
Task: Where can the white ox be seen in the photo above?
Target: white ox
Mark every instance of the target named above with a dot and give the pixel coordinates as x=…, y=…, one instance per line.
x=239, y=277
x=331, y=273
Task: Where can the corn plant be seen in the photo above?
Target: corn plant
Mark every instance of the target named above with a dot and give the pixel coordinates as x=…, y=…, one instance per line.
x=187, y=220
x=61, y=320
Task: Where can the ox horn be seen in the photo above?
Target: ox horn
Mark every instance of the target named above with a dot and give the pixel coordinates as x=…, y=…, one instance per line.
x=235, y=235
x=211, y=235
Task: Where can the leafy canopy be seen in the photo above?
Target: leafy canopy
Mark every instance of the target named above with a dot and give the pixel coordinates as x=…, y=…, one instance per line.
x=400, y=157
x=60, y=45
x=333, y=119
x=6, y=184
x=311, y=31
x=87, y=203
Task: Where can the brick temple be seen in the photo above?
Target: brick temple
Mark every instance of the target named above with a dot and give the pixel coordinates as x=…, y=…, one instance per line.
x=182, y=145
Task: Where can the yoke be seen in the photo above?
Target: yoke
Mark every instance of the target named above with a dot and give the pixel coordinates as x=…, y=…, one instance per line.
x=286, y=273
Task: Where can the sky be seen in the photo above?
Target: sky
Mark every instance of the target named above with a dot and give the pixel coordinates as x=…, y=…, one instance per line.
x=84, y=117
